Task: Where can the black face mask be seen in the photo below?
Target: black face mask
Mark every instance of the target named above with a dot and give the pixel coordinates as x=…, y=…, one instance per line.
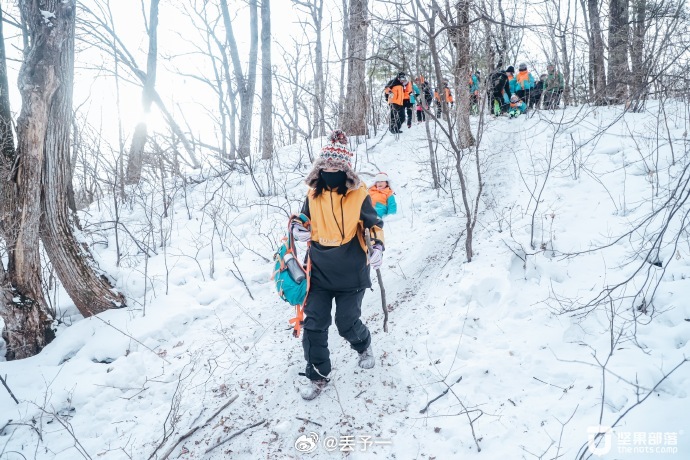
x=334, y=180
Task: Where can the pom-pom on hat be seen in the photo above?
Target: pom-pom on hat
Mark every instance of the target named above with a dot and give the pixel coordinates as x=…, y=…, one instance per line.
x=338, y=136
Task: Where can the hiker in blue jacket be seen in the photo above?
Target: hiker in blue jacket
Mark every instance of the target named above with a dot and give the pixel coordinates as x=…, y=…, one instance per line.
x=517, y=106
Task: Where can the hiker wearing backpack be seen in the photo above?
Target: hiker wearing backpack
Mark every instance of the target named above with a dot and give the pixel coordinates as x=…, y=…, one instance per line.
x=524, y=82
x=424, y=99
x=437, y=103
x=499, y=92
x=382, y=196
x=474, y=92
x=448, y=94
x=553, y=87
x=395, y=96
x=339, y=209
x=409, y=92
x=510, y=72
x=535, y=94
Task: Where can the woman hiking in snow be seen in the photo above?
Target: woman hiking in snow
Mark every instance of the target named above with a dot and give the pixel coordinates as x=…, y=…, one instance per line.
x=339, y=209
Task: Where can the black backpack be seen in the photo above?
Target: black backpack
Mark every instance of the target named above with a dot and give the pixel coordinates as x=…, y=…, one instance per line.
x=498, y=80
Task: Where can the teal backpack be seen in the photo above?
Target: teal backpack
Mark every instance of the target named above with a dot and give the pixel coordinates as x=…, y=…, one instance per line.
x=292, y=282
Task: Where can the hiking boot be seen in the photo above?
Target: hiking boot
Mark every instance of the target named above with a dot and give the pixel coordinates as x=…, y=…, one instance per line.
x=312, y=389
x=366, y=358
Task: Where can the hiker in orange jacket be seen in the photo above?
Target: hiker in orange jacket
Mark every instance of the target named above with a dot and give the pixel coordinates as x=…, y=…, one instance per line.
x=339, y=209
x=437, y=103
x=408, y=99
x=448, y=95
x=382, y=196
x=395, y=96
x=524, y=82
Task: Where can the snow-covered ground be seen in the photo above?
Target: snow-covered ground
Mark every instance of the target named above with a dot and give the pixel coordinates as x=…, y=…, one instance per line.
x=522, y=379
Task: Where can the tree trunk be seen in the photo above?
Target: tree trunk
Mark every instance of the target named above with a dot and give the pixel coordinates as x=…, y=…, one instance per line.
x=566, y=70
x=596, y=56
x=27, y=321
x=463, y=71
x=639, y=83
x=590, y=54
x=266, y=82
x=136, y=151
x=354, y=121
x=618, y=51
x=88, y=288
x=343, y=62
x=489, y=48
x=245, y=85
x=43, y=130
x=319, y=85
x=503, y=50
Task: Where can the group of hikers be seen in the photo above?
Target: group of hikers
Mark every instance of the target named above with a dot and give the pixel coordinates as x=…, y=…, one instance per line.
x=402, y=95
x=513, y=93
x=508, y=92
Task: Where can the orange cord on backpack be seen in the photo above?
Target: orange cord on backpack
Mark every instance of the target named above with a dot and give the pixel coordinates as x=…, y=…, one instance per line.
x=298, y=320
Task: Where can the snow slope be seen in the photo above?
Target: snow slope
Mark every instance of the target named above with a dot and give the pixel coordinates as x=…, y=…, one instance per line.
x=521, y=379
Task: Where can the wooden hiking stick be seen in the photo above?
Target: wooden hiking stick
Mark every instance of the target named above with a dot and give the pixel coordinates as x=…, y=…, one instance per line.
x=367, y=238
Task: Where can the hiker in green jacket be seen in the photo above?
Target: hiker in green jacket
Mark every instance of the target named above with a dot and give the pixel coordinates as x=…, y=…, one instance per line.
x=553, y=87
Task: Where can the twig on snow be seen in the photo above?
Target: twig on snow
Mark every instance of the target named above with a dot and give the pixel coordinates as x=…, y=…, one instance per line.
x=131, y=337
x=4, y=382
x=5, y=426
x=547, y=383
x=308, y=421
x=438, y=397
x=68, y=427
x=234, y=435
x=193, y=430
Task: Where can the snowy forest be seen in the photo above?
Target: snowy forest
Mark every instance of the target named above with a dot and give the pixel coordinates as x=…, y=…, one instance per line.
x=486, y=203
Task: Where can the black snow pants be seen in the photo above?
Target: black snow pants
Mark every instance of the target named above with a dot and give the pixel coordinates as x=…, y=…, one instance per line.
x=348, y=308
x=408, y=111
x=397, y=118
